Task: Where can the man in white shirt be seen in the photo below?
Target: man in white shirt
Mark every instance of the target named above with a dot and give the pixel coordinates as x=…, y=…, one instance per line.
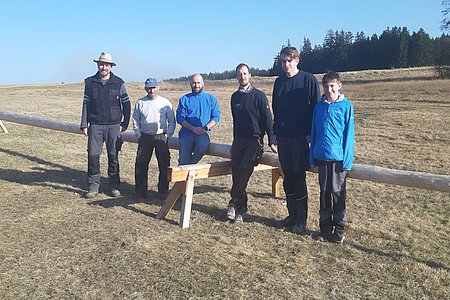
x=153, y=124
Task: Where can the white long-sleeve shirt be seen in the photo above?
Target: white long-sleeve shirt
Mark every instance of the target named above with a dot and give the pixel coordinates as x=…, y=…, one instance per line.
x=153, y=116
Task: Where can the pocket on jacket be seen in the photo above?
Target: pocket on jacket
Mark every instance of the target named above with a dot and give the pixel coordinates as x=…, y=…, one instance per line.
x=116, y=114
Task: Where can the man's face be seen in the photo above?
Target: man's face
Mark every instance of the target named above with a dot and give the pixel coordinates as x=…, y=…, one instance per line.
x=243, y=76
x=331, y=90
x=152, y=92
x=197, y=84
x=289, y=64
x=104, y=69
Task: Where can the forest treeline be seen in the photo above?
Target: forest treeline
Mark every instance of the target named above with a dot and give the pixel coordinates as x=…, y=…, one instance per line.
x=343, y=51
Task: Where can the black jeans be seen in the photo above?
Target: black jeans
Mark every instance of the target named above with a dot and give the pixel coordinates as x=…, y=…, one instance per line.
x=245, y=155
x=293, y=153
x=146, y=144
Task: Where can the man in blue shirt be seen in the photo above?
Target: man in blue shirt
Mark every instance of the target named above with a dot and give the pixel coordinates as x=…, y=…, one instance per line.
x=197, y=113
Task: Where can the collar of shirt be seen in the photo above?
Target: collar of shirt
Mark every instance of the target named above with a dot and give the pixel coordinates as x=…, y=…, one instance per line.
x=246, y=90
x=339, y=98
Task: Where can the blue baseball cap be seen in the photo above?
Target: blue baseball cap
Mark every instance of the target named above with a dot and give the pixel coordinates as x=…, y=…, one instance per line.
x=151, y=83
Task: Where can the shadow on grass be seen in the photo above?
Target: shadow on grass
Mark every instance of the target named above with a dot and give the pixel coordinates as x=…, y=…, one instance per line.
x=60, y=177
x=218, y=214
x=202, y=189
x=430, y=263
x=69, y=179
x=221, y=215
x=128, y=201
x=72, y=180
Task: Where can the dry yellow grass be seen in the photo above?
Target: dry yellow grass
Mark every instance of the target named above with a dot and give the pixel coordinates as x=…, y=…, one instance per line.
x=54, y=244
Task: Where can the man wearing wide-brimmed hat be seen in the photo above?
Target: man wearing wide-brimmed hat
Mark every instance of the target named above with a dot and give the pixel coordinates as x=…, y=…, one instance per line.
x=106, y=113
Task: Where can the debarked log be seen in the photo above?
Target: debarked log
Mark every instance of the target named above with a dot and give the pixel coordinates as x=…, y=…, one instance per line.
x=363, y=172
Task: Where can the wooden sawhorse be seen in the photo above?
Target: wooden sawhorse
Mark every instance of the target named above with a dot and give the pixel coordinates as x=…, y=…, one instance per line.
x=184, y=177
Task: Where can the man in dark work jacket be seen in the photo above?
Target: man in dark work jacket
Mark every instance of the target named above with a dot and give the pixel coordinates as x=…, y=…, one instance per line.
x=251, y=120
x=106, y=113
x=295, y=93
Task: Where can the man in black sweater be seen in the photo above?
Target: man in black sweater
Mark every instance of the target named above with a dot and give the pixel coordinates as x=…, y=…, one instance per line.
x=252, y=119
x=106, y=113
x=295, y=93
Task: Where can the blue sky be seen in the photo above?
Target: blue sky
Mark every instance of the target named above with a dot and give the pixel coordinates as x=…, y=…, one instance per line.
x=56, y=41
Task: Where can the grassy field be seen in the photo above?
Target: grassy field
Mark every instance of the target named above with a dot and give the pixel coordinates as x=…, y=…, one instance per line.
x=54, y=244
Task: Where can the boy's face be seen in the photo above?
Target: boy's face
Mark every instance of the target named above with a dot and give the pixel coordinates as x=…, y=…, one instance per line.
x=331, y=90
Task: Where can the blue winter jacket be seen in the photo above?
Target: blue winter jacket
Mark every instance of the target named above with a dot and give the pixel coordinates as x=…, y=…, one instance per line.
x=332, y=132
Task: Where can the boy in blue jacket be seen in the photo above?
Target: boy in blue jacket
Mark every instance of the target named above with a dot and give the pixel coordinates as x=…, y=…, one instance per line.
x=332, y=150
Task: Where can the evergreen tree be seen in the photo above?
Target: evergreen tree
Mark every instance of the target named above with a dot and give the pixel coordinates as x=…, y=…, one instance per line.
x=318, y=59
x=343, y=44
x=402, y=58
x=276, y=69
x=421, y=49
x=442, y=50
x=328, y=51
x=336, y=49
x=306, y=61
x=442, y=56
x=360, y=37
x=375, y=60
x=359, y=52
x=306, y=48
x=389, y=46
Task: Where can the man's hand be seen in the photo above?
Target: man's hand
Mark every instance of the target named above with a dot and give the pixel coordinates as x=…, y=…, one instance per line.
x=85, y=131
x=198, y=130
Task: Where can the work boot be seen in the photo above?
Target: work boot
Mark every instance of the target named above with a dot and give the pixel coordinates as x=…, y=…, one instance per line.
x=337, y=238
x=287, y=223
x=239, y=218
x=240, y=215
x=115, y=193
x=299, y=228
x=231, y=213
x=91, y=194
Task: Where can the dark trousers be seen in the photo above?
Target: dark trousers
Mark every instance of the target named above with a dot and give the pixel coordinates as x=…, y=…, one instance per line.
x=293, y=153
x=332, y=182
x=97, y=135
x=245, y=155
x=146, y=144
